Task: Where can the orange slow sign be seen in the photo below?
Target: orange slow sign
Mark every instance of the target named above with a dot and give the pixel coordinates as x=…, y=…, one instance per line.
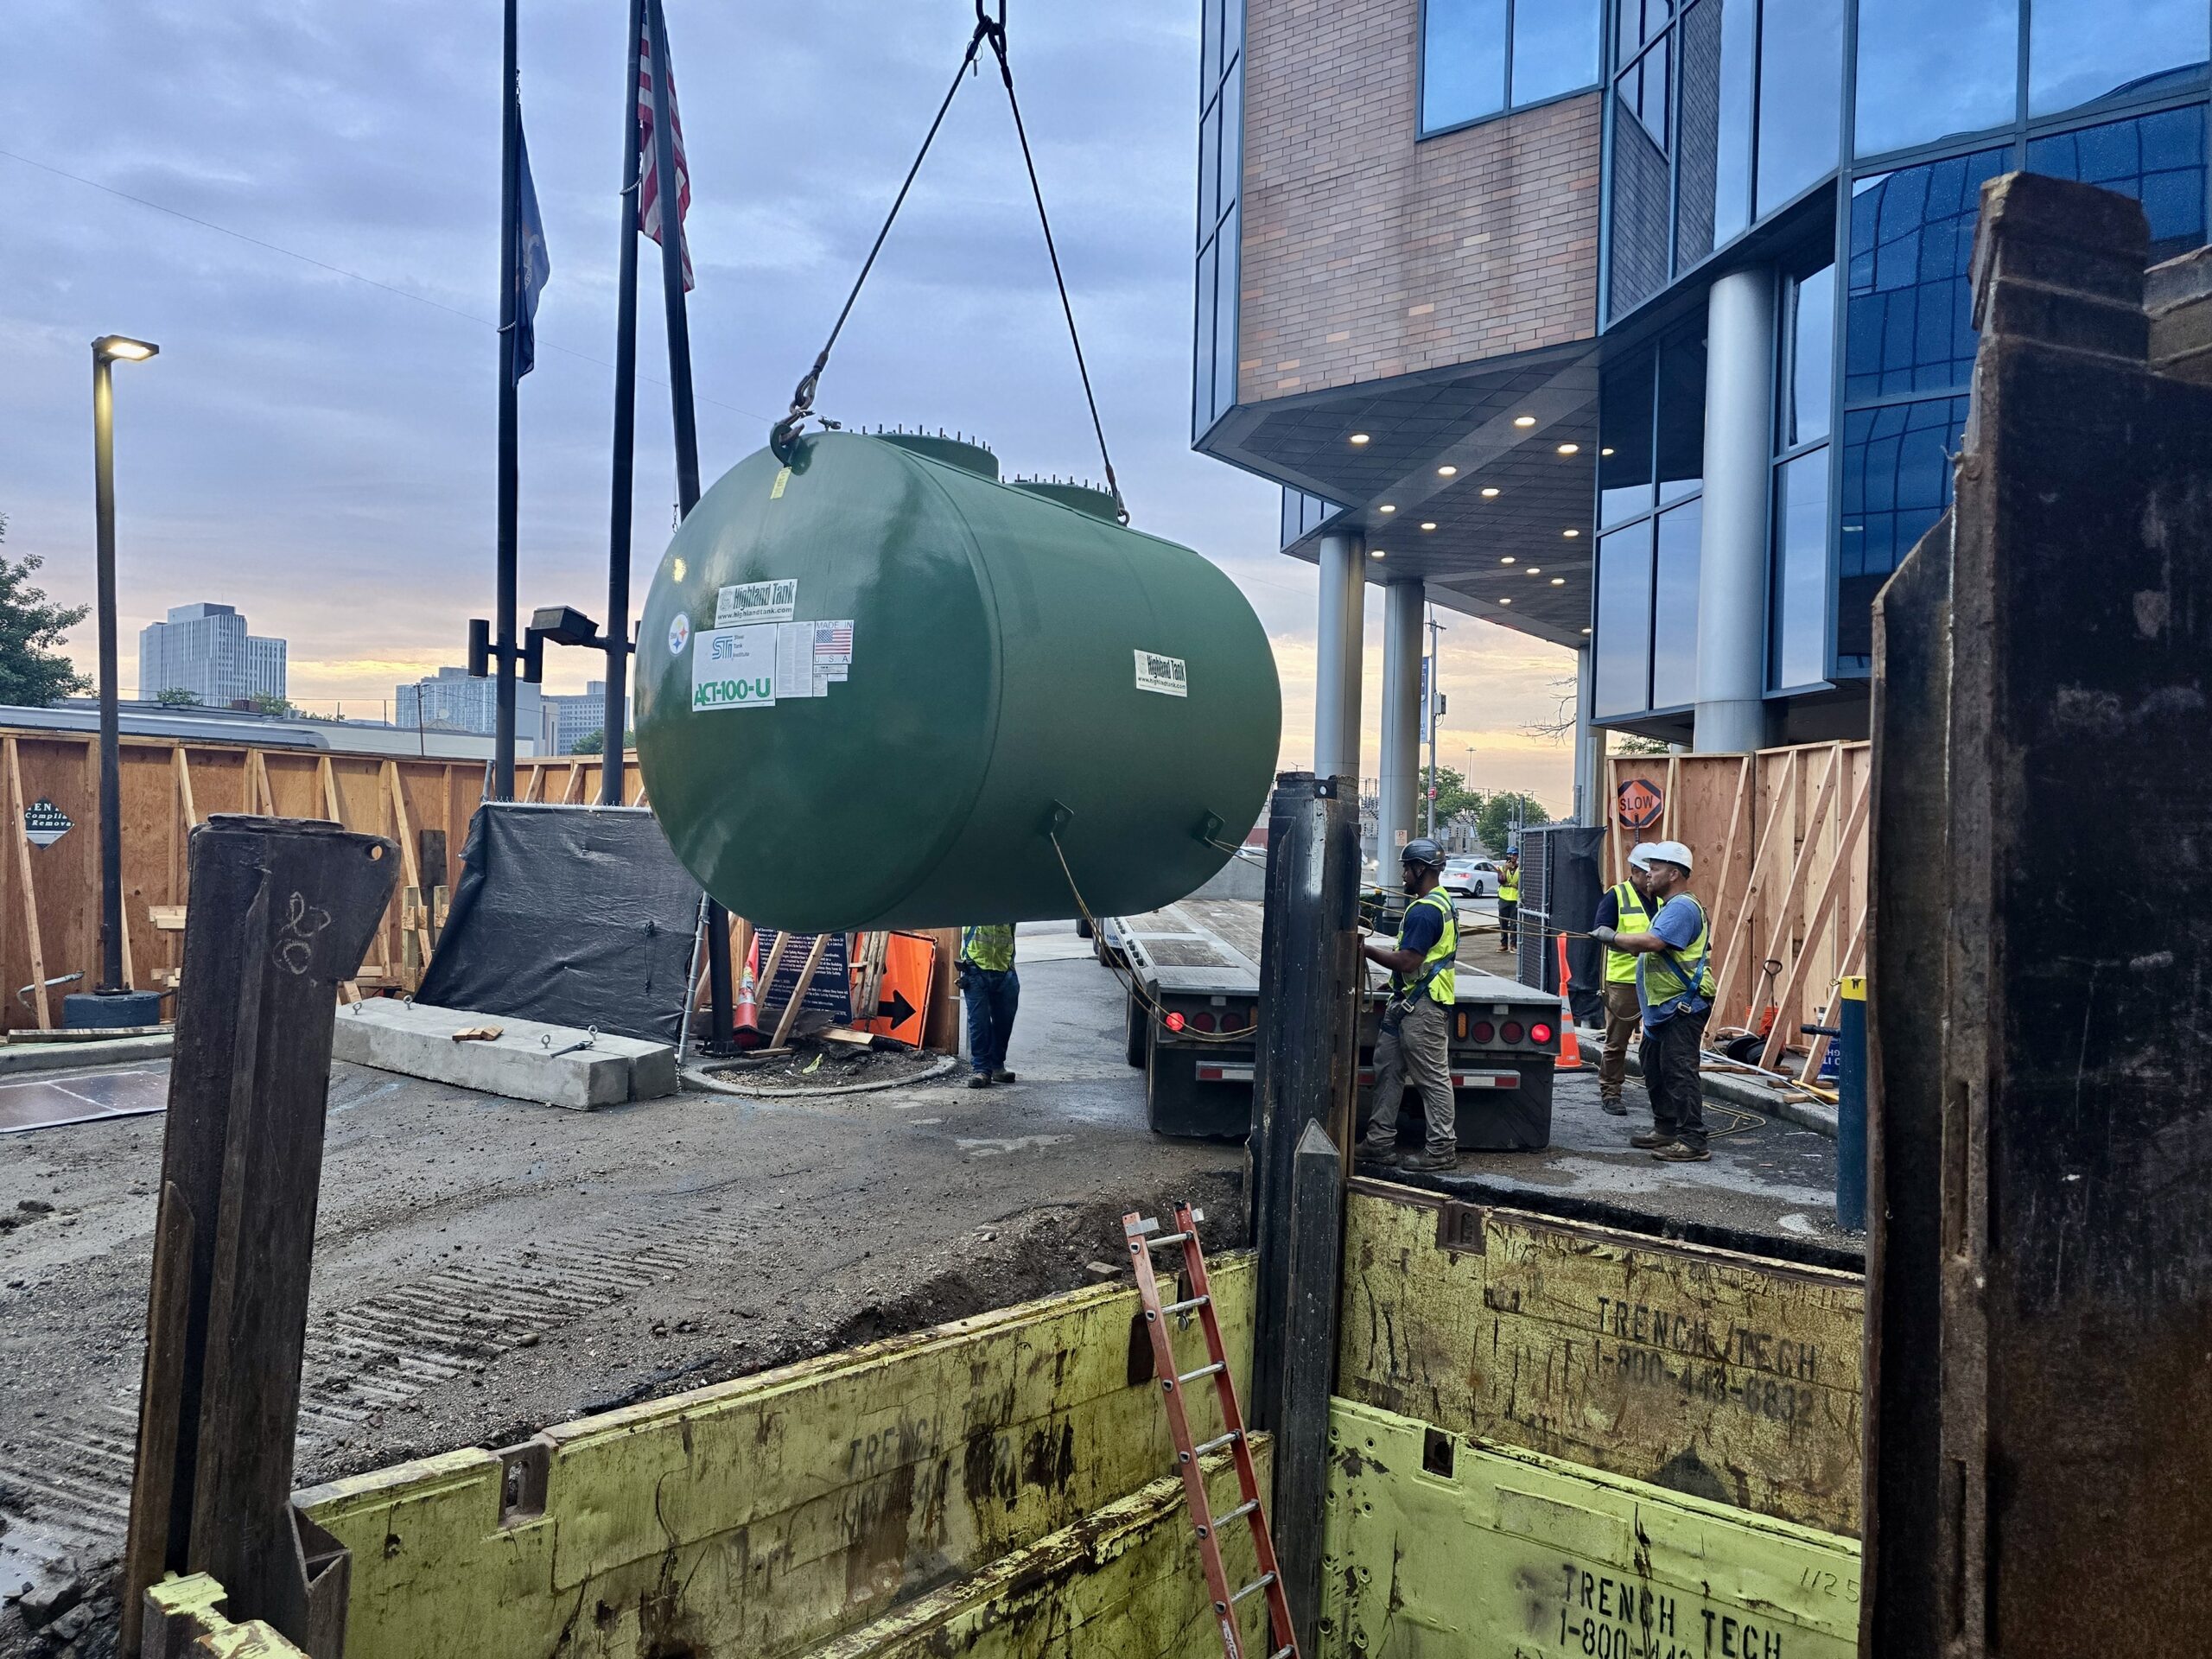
x=1640, y=803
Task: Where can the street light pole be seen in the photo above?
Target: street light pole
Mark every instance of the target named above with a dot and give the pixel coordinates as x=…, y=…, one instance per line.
x=114, y=1003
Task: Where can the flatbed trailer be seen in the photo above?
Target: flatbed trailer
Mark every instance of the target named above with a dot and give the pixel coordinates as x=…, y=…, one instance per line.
x=1199, y=958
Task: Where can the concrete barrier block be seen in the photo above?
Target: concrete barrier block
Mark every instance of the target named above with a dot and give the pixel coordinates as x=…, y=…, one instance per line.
x=528, y=1060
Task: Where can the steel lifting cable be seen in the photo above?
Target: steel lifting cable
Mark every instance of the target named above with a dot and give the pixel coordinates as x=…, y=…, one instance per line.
x=991, y=30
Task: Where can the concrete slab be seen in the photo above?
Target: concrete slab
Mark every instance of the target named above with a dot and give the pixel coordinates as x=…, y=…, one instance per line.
x=528, y=1060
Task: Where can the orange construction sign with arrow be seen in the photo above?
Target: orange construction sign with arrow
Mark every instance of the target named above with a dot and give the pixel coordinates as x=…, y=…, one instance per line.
x=902, y=996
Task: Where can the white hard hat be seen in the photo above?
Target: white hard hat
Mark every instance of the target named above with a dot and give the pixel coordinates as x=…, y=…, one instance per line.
x=1665, y=852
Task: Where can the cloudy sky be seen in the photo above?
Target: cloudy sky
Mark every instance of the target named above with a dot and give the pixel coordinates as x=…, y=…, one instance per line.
x=317, y=448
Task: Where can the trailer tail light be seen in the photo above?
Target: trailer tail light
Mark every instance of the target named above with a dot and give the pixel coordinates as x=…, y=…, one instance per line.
x=1540, y=1033
x=1511, y=1031
x=1202, y=1022
x=1483, y=1031
x=1173, y=1022
x=1460, y=1028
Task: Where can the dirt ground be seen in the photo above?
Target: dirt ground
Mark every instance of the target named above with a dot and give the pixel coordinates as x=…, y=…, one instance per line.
x=485, y=1268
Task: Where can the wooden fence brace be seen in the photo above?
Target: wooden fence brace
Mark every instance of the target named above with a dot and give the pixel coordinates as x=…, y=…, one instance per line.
x=1817, y=923
x=798, y=991
x=1732, y=949
x=283, y=911
x=30, y=887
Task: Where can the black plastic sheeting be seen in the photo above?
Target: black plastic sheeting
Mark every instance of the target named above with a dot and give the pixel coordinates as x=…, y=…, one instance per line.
x=574, y=915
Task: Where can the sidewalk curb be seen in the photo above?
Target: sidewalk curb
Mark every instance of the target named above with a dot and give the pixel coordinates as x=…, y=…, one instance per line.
x=1741, y=1092
x=56, y=1057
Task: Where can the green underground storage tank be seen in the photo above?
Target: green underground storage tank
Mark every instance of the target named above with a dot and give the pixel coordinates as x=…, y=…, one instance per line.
x=869, y=683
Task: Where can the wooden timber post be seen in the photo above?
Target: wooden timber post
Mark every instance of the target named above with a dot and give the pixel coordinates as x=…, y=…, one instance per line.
x=2068, y=1505
x=1309, y=1373
x=283, y=911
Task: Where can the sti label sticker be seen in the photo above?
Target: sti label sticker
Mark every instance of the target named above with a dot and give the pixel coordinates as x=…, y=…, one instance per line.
x=756, y=602
x=1166, y=675
x=735, y=667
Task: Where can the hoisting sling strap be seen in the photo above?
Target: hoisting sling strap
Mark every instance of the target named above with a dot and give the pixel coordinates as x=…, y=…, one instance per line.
x=991, y=30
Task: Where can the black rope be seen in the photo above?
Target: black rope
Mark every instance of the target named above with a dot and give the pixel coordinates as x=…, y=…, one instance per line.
x=785, y=432
x=1006, y=73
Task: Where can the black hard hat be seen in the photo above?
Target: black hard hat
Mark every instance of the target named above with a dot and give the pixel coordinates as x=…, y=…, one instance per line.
x=1423, y=852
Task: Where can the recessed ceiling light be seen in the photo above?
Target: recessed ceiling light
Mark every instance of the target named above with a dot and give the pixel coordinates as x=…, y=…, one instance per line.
x=1570, y=534
x=1559, y=581
x=1428, y=523
x=1508, y=559
x=1536, y=571
x=1377, y=553
x=1585, y=629
x=1386, y=508
x=1488, y=491
x=1570, y=449
x=1359, y=437
x=1524, y=420
x=1602, y=452
x=1505, y=601
x=1446, y=472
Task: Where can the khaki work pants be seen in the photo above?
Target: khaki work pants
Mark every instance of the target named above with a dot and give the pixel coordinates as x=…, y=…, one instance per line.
x=1418, y=1052
x=1623, y=1021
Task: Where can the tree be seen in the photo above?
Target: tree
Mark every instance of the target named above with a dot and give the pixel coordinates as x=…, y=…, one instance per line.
x=272, y=704
x=1453, y=798
x=32, y=673
x=1494, y=822
x=1630, y=743
x=177, y=697
x=596, y=740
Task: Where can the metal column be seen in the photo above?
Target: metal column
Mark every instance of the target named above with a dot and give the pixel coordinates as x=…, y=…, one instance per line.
x=1731, y=552
x=1336, y=679
x=1590, y=803
x=1398, y=809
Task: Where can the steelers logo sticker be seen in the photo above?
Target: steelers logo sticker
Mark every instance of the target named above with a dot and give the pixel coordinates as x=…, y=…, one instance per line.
x=679, y=633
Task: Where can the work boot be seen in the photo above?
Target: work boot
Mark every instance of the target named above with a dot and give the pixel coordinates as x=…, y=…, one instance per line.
x=1612, y=1106
x=1680, y=1152
x=979, y=1079
x=1384, y=1153
x=1420, y=1158
x=1002, y=1075
x=1650, y=1140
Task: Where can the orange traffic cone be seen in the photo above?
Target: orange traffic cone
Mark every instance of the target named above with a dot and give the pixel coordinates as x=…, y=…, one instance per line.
x=1570, y=1046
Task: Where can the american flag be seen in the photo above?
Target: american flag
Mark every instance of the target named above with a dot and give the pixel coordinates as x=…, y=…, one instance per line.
x=837, y=646
x=648, y=169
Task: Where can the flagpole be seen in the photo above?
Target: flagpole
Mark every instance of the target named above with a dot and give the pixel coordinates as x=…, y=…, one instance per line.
x=612, y=761
x=722, y=1012
x=503, y=740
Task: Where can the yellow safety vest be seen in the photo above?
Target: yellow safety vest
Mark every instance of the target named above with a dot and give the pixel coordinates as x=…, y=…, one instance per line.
x=989, y=948
x=1620, y=965
x=1509, y=886
x=1657, y=979
x=1445, y=987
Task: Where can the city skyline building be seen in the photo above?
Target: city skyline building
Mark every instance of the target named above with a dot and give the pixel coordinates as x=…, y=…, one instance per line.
x=450, y=701
x=205, y=649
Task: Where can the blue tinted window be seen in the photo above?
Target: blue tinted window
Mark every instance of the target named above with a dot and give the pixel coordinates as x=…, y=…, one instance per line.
x=2080, y=51
x=1554, y=47
x=1896, y=481
x=1624, y=621
x=1624, y=438
x=1208, y=46
x=1208, y=171
x=2158, y=159
x=1232, y=28
x=1680, y=439
x=1909, y=327
x=1463, y=62
x=1801, y=96
x=1673, y=608
x=1929, y=72
x=1232, y=136
x=1713, y=122
x=1800, y=588
x=1809, y=358
x=1202, y=347
x=1637, y=244
x=1224, y=338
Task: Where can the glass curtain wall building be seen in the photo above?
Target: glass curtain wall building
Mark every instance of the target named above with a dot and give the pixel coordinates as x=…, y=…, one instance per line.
x=1843, y=149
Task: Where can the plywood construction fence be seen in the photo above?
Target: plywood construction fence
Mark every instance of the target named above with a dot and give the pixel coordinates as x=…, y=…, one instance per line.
x=1780, y=841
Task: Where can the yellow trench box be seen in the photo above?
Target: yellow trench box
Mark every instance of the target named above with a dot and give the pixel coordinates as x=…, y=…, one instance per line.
x=1727, y=1376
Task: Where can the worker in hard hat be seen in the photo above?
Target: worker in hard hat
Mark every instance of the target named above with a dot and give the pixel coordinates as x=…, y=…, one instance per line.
x=1509, y=900
x=1622, y=910
x=991, y=991
x=1674, y=992
x=1413, y=1044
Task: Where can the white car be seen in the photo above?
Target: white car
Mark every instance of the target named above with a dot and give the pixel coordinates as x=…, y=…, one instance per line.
x=1470, y=877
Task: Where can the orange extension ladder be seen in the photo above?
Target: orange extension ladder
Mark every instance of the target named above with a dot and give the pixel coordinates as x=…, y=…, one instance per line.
x=1145, y=1237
